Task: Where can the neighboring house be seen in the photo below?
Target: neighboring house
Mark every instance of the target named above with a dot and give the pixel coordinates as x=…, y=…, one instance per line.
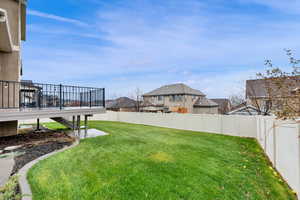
x=178, y=98
x=20, y=100
x=122, y=104
x=29, y=94
x=244, y=109
x=257, y=92
x=224, y=105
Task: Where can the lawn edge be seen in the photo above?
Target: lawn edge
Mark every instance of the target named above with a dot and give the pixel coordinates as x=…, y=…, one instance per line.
x=23, y=182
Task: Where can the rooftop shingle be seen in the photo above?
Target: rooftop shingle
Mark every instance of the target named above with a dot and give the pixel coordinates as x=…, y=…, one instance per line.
x=173, y=89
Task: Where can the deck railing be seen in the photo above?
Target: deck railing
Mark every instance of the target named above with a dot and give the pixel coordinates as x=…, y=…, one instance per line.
x=26, y=94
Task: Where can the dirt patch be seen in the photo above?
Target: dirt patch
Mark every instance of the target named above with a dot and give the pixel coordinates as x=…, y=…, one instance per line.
x=31, y=137
x=161, y=157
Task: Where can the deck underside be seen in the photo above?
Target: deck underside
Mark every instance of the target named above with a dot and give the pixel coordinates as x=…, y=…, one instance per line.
x=16, y=114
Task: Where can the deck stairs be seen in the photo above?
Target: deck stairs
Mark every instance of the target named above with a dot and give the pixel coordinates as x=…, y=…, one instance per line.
x=64, y=122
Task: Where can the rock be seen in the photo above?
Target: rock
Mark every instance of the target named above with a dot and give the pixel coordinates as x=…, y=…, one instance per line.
x=11, y=148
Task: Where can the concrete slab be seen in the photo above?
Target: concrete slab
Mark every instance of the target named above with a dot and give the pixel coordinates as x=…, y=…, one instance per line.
x=6, y=166
x=91, y=133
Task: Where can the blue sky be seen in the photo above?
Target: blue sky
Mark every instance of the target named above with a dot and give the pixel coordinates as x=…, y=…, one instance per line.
x=211, y=45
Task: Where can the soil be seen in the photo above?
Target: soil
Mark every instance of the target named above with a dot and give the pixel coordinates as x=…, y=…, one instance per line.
x=34, y=152
x=34, y=144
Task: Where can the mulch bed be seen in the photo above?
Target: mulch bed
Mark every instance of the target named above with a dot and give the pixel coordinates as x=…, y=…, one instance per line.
x=34, y=144
x=34, y=152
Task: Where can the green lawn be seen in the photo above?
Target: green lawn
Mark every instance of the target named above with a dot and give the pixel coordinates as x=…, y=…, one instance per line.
x=145, y=162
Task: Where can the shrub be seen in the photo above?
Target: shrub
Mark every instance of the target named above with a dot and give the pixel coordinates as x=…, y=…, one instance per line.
x=9, y=191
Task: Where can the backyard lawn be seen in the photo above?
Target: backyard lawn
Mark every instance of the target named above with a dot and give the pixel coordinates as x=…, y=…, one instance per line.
x=145, y=162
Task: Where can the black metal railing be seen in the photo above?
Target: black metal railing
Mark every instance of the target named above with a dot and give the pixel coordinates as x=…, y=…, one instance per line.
x=26, y=94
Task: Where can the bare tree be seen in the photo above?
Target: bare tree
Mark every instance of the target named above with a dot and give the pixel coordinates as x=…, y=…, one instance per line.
x=261, y=107
x=282, y=88
x=236, y=99
x=137, y=95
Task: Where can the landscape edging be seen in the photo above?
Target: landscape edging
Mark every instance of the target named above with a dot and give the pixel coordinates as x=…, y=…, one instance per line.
x=24, y=185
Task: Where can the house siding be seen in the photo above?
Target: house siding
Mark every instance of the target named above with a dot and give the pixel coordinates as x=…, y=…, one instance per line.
x=10, y=62
x=205, y=110
x=187, y=103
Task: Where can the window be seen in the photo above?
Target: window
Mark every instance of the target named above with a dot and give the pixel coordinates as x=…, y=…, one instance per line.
x=176, y=98
x=160, y=98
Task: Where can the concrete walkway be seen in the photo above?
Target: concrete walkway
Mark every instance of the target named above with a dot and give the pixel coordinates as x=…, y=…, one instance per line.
x=6, y=166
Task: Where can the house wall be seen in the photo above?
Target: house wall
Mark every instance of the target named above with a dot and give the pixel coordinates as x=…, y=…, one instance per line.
x=205, y=110
x=128, y=109
x=260, y=101
x=278, y=139
x=187, y=102
x=13, y=9
x=10, y=63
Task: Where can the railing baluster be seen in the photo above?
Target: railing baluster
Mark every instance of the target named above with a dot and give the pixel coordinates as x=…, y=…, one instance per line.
x=24, y=95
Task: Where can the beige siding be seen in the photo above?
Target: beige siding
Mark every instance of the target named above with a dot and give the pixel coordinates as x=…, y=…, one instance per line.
x=8, y=128
x=10, y=65
x=205, y=110
x=187, y=102
x=13, y=9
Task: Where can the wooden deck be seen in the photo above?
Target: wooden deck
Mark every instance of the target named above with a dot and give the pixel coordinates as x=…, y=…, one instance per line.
x=16, y=114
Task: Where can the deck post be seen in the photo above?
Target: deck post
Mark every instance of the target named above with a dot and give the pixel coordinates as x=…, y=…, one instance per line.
x=73, y=123
x=38, y=124
x=78, y=125
x=85, y=125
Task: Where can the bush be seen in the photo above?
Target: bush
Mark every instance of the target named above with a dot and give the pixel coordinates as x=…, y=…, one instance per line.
x=9, y=191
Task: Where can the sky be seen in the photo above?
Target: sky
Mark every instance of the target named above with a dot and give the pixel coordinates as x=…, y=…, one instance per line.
x=210, y=45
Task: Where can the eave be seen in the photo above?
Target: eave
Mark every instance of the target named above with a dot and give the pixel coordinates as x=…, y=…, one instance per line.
x=6, y=44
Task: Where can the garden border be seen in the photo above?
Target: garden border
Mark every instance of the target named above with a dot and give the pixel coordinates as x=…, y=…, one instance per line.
x=24, y=185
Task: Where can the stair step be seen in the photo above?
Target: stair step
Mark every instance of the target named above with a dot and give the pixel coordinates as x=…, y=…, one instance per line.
x=64, y=122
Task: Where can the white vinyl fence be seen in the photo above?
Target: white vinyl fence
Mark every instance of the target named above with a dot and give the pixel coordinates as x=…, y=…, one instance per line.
x=280, y=140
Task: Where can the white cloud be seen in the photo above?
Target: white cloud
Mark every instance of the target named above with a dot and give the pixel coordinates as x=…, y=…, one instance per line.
x=288, y=6
x=56, y=17
x=155, y=44
x=36, y=28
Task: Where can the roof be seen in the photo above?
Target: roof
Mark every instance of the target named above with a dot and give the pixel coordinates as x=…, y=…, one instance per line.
x=173, y=89
x=224, y=104
x=257, y=87
x=28, y=84
x=244, y=109
x=204, y=102
x=122, y=102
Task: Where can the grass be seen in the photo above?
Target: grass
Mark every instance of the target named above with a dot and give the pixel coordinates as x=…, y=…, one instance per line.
x=145, y=162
